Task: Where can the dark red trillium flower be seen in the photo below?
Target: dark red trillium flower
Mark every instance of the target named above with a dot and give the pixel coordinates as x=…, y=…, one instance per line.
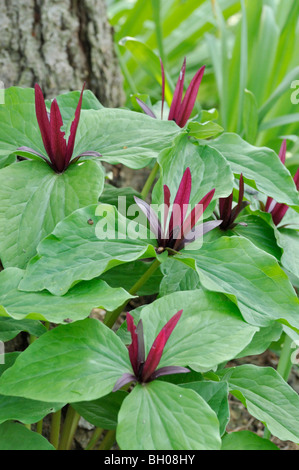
x=180, y=230
x=278, y=210
x=58, y=150
x=145, y=370
x=180, y=110
x=227, y=213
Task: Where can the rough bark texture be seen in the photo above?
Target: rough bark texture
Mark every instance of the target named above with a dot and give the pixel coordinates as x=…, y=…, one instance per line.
x=59, y=44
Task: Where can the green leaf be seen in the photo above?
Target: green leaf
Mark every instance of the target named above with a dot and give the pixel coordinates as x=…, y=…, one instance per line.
x=177, y=277
x=75, y=305
x=58, y=265
x=204, y=130
x=234, y=266
x=76, y=362
x=102, y=412
x=260, y=166
x=246, y=440
x=262, y=340
x=216, y=395
x=210, y=331
x=22, y=409
x=182, y=420
x=288, y=239
x=14, y=436
x=208, y=170
x=9, y=328
x=123, y=136
x=268, y=398
x=34, y=199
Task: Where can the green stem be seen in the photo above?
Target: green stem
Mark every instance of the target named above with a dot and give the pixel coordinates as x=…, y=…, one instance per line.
x=39, y=426
x=69, y=429
x=94, y=439
x=111, y=317
x=283, y=368
x=55, y=428
x=108, y=440
x=150, y=180
x=284, y=364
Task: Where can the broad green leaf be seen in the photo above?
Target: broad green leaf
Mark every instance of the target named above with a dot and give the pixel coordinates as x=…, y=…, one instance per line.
x=34, y=199
x=102, y=412
x=260, y=166
x=14, y=436
x=76, y=362
x=246, y=440
x=262, y=339
x=128, y=274
x=234, y=266
x=210, y=330
x=288, y=239
x=58, y=265
x=75, y=305
x=123, y=136
x=9, y=327
x=259, y=232
x=204, y=130
x=267, y=397
x=177, y=277
x=216, y=395
x=181, y=418
x=23, y=409
x=208, y=168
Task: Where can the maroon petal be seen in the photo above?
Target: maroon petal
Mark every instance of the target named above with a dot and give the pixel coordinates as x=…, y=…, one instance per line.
x=177, y=96
x=181, y=201
x=197, y=212
x=58, y=143
x=296, y=179
x=157, y=348
x=165, y=231
x=151, y=216
x=146, y=109
x=73, y=131
x=168, y=370
x=163, y=87
x=190, y=98
x=42, y=118
x=123, y=380
x=133, y=348
x=279, y=212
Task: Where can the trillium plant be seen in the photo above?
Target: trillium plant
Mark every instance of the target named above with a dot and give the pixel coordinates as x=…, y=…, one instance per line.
x=143, y=319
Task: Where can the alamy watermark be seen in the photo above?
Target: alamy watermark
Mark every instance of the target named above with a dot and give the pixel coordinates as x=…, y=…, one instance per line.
x=295, y=94
x=2, y=353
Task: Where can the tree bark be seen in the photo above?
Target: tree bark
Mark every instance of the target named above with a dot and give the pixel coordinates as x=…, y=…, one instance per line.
x=60, y=45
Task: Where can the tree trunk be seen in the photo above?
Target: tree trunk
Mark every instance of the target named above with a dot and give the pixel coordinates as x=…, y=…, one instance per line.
x=59, y=44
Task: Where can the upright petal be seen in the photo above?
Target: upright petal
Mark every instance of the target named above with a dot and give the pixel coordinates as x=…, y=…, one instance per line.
x=133, y=348
x=197, y=212
x=181, y=201
x=73, y=131
x=190, y=98
x=146, y=109
x=177, y=96
x=151, y=216
x=283, y=151
x=155, y=354
x=42, y=119
x=58, y=143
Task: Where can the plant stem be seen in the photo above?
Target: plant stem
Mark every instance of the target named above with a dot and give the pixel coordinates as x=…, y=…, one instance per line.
x=111, y=317
x=156, y=7
x=108, y=440
x=150, y=180
x=284, y=364
x=55, y=428
x=94, y=439
x=69, y=429
x=39, y=427
x=283, y=368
